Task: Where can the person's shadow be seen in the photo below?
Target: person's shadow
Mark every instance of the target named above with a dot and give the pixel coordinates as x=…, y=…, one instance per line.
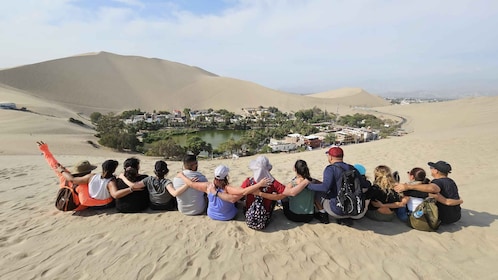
x=385, y=228
x=470, y=218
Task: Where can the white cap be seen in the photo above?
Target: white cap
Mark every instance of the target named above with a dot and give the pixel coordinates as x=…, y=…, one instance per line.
x=221, y=172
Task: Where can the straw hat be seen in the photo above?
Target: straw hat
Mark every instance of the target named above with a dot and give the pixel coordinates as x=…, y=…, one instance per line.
x=82, y=167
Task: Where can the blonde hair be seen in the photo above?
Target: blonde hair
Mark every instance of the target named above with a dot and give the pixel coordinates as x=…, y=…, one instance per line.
x=383, y=178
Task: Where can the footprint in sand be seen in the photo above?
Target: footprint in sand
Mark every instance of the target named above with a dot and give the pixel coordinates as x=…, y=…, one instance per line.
x=215, y=252
x=146, y=272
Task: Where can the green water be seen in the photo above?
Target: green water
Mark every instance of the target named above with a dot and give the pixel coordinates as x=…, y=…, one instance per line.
x=215, y=137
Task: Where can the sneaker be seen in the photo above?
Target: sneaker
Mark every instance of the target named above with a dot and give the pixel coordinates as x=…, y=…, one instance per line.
x=322, y=217
x=346, y=222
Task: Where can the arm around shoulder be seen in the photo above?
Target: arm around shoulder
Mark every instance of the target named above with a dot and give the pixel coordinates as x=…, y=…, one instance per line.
x=446, y=201
x=134, y=185
x=428, y=188
x=228, y=197
x=76, y=180
x=250, y=189
x=176, y=192
x=293, y=191
x=115, y=193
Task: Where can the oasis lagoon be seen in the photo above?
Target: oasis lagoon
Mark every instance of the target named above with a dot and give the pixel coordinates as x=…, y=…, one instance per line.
x=214, y=137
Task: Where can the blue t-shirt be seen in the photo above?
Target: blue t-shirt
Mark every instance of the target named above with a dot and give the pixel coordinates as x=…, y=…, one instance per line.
x=221, y=210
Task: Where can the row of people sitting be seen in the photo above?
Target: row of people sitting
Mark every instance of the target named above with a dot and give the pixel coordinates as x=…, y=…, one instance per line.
x=302, y=199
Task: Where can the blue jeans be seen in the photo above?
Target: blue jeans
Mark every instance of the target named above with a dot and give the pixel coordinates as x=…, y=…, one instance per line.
x=402, y=213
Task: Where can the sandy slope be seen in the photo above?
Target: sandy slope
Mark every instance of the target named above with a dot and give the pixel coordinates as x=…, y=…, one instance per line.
x=352, y=97
x=106, y=82
x=37, y=241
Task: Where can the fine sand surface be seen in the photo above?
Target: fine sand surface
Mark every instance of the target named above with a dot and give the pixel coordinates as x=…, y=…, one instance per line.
x=106, y=82
x=37, y=241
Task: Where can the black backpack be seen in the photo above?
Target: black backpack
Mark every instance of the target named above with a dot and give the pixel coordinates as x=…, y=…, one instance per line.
x=350, y=198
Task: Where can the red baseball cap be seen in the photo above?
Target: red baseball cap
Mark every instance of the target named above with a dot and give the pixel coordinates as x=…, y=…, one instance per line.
x=335, y=152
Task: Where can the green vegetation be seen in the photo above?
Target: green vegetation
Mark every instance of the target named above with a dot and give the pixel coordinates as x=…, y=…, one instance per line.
x=361, y=120
x=314, y=115
x=94, y=117
x=165, y=148
x=113, y=133
x=156, y=131
x=196, y=145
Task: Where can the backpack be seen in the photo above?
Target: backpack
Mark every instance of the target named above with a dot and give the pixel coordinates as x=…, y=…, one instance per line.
x=425, y=216
x=67, y=198
x=256, y=215
x=350, y=198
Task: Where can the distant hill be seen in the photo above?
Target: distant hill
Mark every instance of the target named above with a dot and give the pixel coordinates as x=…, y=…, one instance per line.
x=353, y=97
x=106, y=82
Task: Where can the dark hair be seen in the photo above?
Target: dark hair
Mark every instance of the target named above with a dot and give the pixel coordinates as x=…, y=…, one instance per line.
x=161, y=168
x=108, y=168
x=189, y=161
x=419, y=175
x=220, y=183
x=131, y=174
x=131, y=162
x=302, y=169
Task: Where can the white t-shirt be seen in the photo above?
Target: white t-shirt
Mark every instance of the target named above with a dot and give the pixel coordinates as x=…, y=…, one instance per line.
x=413, y=202
x=97, y=187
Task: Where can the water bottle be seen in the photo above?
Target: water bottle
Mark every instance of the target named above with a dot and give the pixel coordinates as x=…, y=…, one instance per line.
x=418, y=214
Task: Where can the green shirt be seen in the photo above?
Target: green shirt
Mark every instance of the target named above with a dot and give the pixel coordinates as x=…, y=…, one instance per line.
x=303, y=203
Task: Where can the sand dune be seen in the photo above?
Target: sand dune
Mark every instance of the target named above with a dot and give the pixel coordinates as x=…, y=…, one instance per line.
x=352, y=97
x=40, y=242
x=105, y=82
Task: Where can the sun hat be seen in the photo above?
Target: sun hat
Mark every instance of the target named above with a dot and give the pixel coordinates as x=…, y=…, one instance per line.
x=221, y=172
x=335, y=152
x=441, y=166
x=81, y=167
x=261, y=168
x=261, y=162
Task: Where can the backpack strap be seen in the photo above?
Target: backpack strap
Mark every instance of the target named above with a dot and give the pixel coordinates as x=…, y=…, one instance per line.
x=328, y=193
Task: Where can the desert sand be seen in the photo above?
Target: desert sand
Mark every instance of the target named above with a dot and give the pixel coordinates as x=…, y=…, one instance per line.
x=39, y=242
x=106, y=82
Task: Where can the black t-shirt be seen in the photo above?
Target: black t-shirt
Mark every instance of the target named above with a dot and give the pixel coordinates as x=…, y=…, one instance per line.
x=449, y=189
x=136, y=201
x=376, y=193
x=415, y=193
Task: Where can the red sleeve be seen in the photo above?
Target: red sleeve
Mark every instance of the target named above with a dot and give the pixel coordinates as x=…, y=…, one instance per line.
x=277, y=187
x=246, y=183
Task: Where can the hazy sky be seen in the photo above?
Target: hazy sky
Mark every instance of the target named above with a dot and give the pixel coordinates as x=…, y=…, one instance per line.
x=301, y=46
